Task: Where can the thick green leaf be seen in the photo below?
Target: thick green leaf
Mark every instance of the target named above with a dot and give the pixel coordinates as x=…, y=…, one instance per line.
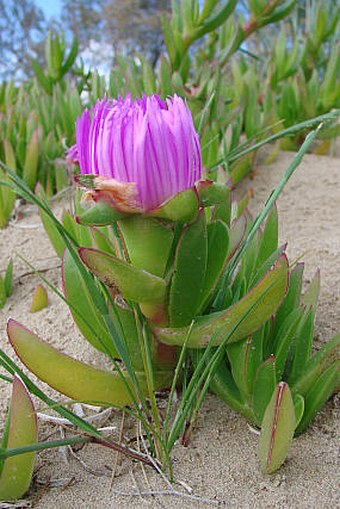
x=325, y=357
x=269, y=238
x=239, y=355
x=249, y=258
x=285, y=338
x=128, y=323
x=170, y=42
x=82, y=307
x=71, y=377
x=236, y=234
x=238, y=321
x=299, y=405
x=223, y=385
x=292, y=298
x=165, y=76
x=16, y=473
x=264, y=386
x=3, y=295
x=149, y=79
x=255, y=356
x=134, y=284
x=39, y=299
x=215, y=20
x=277, y=429
x=263, y=269
x=71, y=57
x=8, y=279
x=240, y=168
x=81, y=234
x=187, y=285
x=321, y=390
x=7, y=196
x=310, y=298
x=280, y=12
x=31, y=160
x=302, y=346
x=44, y=80
x=148, y=243
x=103, y=240
x=218, y=244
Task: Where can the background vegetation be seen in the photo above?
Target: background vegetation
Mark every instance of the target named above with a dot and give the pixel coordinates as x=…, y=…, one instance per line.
x=248, y=69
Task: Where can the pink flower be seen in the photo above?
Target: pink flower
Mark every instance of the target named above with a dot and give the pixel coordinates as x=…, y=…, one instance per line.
x=147, y=146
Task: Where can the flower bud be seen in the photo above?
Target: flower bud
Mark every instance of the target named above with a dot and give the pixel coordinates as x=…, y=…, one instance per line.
x=142, y=152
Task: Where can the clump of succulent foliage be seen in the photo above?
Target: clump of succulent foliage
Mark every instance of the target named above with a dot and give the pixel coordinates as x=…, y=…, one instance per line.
x=245, y=74
x=171, y=274
x=163, y=270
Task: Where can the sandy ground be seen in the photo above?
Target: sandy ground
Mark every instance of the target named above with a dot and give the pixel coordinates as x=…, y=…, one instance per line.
x=220, y=465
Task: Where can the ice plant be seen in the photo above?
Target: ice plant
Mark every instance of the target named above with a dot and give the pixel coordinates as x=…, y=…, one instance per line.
x=141, y=152
x=163, y=260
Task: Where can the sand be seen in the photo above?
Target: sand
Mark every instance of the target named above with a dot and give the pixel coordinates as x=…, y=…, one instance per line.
x=220, y=465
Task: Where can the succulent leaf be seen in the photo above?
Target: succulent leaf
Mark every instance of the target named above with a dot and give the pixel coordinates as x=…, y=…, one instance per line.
x=236, y=234
x=218, y=242
x=269, y=238
x=310, y=298
x=82, y=307
x=302, y=346
x=239, y=355
x=22, y=429
x=321, y=390
x=8, y=279
x=71, y=377
x=39, y=300
x=299, y=405
x=148, y=243
x=292, y=299
x=238, y=321
x=277, y=429
x=54, y=235
x=328, y=354
x=264, y=386
x=285, y=338
x=135, y=284
x=223, y=385
x=187, y=284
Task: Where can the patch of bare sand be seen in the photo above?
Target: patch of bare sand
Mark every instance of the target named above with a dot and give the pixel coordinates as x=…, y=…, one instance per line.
x=221, y=461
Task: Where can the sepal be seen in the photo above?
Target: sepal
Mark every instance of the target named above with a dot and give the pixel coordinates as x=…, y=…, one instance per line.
x=212, y=193
x=182, y=208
